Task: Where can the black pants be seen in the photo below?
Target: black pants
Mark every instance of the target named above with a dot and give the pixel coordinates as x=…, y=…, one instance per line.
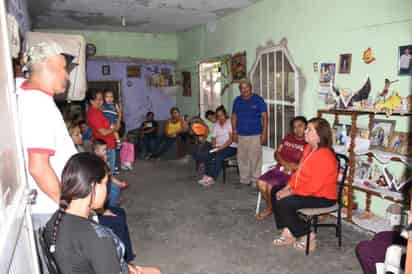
x=285, y=211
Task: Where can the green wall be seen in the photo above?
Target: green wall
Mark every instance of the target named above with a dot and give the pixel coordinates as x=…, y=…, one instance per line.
x=316, y=30
x=128, y=44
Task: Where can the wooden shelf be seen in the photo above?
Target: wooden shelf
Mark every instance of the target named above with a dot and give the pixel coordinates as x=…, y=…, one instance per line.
x=379, y=192
x=383, y=157
x=361, y=112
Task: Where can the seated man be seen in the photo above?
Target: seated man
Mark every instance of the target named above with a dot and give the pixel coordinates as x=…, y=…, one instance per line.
x=148, y=131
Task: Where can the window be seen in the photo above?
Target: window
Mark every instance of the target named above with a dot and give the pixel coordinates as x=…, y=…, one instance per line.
x=276, y=79
x=210, y=86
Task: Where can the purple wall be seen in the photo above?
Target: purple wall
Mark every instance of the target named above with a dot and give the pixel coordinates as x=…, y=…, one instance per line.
x=139, y=98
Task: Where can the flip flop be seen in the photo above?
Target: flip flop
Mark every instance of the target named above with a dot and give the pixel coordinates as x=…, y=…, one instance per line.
x=283, y=241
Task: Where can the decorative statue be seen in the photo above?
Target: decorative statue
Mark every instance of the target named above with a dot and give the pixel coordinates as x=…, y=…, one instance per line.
x=344, y=99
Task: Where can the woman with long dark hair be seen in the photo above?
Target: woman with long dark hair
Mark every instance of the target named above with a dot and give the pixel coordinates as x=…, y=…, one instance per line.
x=81, y=245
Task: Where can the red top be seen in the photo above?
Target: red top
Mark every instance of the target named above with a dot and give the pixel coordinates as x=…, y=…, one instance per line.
x=317, y=174
x=96, y=121
x=292, y=148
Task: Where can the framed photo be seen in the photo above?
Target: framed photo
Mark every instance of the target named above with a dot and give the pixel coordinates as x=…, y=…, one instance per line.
x=327, y=74
x=187, y=83
x=345, y=63
x=238, y=66
x=362, y=169
x=341, y=134
x=381, y=133
x=405, y=58
x=133, y=71
x=106, y=69
x=401, y=143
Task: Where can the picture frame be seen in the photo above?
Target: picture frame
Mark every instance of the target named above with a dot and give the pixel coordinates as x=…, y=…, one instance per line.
x=345, y=63
x=380, y=133
x=133, y=71
x=362, y=169
x=187, y=83
x=238, y=66
x=327, y=74
x=106, y=69
x=341, y=134
x=400, y=143
x=405, y=60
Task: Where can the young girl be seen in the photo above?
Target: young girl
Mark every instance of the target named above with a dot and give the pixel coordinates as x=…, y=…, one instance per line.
x=78, y=243
x=112, y=112
x=287, y=155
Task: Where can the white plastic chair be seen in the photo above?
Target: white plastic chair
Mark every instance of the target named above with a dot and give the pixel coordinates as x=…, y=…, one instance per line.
x=268, y=162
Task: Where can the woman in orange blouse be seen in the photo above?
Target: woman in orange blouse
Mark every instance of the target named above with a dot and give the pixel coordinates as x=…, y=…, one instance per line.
x=313, y=185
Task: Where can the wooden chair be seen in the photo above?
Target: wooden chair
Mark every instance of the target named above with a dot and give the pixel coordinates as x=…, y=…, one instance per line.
x=310, y=215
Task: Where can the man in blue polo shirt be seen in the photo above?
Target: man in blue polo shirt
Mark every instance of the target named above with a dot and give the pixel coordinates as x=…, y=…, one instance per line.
x=249, y=124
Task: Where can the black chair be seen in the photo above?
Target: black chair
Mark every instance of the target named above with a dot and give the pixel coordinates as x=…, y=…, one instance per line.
x=230, y=162
x=47, y=263
x=310, y=215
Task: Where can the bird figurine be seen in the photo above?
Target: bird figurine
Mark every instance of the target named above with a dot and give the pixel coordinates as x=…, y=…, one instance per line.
x=367, y=56
x=344, y=99
x=386, y=88
x=391, y=104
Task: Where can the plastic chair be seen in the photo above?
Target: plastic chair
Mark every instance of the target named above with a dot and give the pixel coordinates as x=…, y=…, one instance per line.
x=310, y=215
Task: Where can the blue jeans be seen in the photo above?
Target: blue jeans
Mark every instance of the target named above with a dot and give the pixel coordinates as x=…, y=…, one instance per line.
x=150, y=143
x=214, y=163
x=118, y=224
x=114, y=194
x=111, y=159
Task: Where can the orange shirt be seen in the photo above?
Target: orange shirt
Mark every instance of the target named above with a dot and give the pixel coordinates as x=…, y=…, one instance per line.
x=317, y=174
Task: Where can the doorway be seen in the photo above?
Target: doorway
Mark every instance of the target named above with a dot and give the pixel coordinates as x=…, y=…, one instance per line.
x=210, y=86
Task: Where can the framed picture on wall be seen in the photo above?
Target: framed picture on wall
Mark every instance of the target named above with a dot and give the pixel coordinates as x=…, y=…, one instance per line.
x=345, y=62
x=133, y=71
x=381, y=133
x=238, y=66
x=106, y=69
x=401, y=143
x=187, y=83
x=405, y=60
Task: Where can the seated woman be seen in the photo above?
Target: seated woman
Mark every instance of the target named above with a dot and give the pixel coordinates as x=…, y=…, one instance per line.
x=287, y=156
x=77, y=242
x=174, y=127
x=202, y=130
x=313, y=185
x=223, y=144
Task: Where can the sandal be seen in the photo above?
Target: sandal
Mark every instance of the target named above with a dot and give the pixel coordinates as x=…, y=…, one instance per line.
x=263, y=215
x=283, y=241
x=301, y=244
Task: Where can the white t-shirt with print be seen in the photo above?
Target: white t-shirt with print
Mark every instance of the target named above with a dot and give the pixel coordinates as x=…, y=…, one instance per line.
x=222, y=133
x=43, y=131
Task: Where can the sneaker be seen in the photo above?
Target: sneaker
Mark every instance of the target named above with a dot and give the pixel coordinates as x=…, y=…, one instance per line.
x=204, y=179
x=209, y=182
x=128, y=166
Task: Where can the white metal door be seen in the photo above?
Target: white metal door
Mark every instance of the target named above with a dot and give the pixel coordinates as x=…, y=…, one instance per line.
x=16, y=238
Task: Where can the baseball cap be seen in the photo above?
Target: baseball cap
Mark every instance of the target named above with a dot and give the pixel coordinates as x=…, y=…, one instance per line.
x=43, y=50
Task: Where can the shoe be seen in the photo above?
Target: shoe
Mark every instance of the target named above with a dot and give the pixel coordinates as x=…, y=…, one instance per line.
x=204, y=179
x=128, y=166
x=209, y=182
x=124, y=168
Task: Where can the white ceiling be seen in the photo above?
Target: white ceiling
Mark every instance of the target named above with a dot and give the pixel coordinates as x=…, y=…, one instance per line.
x=141, y=15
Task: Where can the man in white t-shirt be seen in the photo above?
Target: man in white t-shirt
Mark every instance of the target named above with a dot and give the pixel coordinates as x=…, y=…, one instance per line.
x=46, y=141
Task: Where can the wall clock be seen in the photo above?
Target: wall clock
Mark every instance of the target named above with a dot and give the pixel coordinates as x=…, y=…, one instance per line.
x=90, y=49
